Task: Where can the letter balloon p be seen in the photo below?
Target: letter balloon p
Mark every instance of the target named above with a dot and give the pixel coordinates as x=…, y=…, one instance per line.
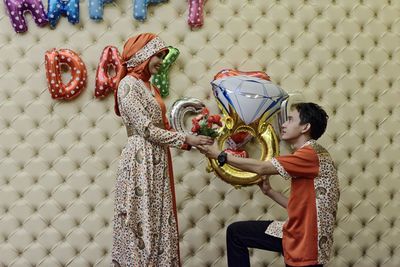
x=54, y=59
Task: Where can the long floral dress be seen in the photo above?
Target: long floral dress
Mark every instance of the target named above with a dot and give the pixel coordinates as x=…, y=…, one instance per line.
x=145, y=223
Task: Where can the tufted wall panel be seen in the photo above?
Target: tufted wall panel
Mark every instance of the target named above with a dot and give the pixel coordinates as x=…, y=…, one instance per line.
x=59, y=159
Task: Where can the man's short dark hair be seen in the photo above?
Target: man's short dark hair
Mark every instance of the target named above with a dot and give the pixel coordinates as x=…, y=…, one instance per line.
x=314, y=115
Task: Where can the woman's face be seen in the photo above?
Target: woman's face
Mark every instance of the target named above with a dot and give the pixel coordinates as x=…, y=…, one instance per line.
x=156, y=61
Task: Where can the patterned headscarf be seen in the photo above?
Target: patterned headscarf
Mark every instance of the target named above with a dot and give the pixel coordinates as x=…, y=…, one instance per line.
x=136, y=56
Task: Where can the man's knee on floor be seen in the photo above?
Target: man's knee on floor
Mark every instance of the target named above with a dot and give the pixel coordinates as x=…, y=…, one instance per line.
x=233, y=229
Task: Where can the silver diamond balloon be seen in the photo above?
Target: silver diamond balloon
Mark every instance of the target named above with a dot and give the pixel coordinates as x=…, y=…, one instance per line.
x=250, y=97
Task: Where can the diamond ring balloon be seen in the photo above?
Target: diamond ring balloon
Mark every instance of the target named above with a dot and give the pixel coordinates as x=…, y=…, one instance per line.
x=250, y=97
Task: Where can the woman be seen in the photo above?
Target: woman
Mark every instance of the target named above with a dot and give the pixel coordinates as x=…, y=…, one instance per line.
x=145, y=218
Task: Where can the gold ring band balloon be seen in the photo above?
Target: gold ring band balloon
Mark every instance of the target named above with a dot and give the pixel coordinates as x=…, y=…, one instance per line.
x=269, y=143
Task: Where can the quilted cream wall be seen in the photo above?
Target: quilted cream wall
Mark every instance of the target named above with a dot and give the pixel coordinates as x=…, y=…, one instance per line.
x=58, y=159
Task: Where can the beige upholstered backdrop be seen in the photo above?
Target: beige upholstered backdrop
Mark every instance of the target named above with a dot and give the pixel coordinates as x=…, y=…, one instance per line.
x=59, y=159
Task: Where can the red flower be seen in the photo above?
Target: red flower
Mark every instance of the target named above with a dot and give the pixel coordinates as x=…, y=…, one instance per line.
x=205, y=111
x=195, y=128
x=215, y=119
x=199, y=117
x=203, y=123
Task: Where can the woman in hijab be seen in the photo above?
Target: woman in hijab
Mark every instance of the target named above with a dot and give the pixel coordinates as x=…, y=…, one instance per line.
x=145, y=220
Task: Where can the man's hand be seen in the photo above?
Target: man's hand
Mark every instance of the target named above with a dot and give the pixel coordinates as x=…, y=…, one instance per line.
x=265, y=186
x=211, y=152
x=196, y=140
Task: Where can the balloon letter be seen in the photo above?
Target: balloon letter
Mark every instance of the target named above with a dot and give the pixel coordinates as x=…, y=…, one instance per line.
x=195, y=18
x=161, y=79
x=180, y=108
x=69, y=8
x=96, y=8
x=140, y=8
x=53, y=62
x=16, y=9
x=104, y=83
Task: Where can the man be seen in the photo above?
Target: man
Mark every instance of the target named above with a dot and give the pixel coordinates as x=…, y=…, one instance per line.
x=306, y=238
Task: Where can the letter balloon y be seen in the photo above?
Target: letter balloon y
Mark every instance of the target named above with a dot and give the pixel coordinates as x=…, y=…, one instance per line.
x=196, y=10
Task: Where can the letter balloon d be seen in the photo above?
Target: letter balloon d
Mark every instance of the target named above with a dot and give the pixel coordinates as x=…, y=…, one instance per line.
x=54, y=59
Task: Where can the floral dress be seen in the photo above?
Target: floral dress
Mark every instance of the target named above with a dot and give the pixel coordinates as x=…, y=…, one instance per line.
x=145, y=225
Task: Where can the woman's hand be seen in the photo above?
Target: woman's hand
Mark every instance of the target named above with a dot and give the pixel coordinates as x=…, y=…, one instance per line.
x=265, y=186
x=197, y=140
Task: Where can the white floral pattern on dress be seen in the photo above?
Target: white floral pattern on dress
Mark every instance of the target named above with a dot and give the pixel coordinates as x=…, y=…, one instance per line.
x=145, y=228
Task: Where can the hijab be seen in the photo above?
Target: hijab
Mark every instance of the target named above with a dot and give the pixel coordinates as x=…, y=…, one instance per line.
x=136, y=56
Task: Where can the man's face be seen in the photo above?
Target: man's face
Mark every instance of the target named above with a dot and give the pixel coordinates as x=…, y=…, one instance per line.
x=291, y=129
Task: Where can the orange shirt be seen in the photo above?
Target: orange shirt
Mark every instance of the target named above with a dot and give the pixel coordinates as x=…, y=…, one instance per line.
x=307, y=235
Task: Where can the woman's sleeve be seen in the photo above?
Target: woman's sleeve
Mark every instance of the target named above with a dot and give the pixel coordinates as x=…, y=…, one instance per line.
x=131, y=104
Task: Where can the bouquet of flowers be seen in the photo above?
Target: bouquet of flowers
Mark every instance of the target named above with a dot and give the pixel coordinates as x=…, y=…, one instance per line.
x=204, y=123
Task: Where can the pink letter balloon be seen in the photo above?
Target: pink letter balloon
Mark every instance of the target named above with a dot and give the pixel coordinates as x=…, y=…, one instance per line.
x=104, y=83
x=195, y=18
